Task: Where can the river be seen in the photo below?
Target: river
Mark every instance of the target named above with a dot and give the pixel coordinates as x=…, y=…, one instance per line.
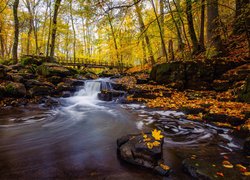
x=77, y=140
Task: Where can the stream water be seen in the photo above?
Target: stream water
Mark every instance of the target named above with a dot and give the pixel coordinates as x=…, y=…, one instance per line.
x=78, y=139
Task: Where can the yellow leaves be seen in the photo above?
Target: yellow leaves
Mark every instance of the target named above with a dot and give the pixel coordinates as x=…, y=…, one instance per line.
x=165, y=167
x=241, y=168
x=157, y=134
x=227, y=164
x=246, y=173
x=220, y=174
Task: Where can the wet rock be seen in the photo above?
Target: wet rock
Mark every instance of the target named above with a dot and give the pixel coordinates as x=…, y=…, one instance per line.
x=66, y=94
x=132, y=149
x=55, y=79
x=49, y=101
x=15, y=89
x=109, y=95
x=27, y=76
x=210, y=168
x=2, y=91
x=76, y=82
x=119, y=87
x=191, y=110
x=234, y=121
x=142, y=81
x=246, y=147
x=40, y=91
x=62, y=86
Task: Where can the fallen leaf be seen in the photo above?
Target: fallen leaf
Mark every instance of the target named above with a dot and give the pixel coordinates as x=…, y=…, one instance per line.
x=157, y=134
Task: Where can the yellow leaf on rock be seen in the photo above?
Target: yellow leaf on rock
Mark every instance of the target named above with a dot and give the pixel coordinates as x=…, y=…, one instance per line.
x=156, y=143
x=157, y=134
x=246, y=173
x=165, y=167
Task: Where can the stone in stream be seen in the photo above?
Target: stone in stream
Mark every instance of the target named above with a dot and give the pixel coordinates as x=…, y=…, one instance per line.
x=132, y=149
x=246, y=147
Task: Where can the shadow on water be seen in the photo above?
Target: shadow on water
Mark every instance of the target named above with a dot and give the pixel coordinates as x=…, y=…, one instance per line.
x=78, y=139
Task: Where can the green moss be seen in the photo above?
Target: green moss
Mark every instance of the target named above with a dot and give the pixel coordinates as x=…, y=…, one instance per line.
x=10, y=89
x=30, y=61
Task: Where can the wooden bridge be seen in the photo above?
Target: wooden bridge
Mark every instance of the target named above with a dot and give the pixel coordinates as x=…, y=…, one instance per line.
x=84, y=62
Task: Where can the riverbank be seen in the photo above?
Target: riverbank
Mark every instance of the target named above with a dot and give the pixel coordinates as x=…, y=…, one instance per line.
x=219, y=108
x=35, y=81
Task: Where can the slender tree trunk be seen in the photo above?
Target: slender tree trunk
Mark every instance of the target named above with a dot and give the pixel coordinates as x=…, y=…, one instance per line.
x=144, y=53
x=54, y=29
x=161, y=33
x=29, y=38
x=114, y=38
x=16, y=32
x=142, y=29
x=162, y=17
x=1, y=43
x=202, y=26
x=177, y=5
x=213, y=33
x=192, y=34
x=74, y=31
x=171, y=50
x=178, y=29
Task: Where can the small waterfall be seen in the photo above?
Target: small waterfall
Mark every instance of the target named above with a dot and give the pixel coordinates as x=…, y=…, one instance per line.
x=91, y=88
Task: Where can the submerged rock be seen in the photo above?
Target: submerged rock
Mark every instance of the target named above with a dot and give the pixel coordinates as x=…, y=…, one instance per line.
x=246, y=147
x=132, y=149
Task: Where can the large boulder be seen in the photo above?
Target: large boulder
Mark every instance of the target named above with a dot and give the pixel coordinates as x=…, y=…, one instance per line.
x=53, y=69
x=15, y=89
x=40, y=91
x=132, y=149
x=195, y=75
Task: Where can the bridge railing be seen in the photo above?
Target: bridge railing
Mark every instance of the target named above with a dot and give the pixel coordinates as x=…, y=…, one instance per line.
x=87, y=62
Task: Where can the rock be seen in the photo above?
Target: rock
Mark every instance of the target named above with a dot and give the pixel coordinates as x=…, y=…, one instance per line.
x=15, y=89
x=53, y=69
x=55, y=79
x=244, y=94
x=210, y=168
x=17, y=67
x=76, y=82
x=109, y=95
x=40, y=91
x=2, y=91
x=29, y=60
x=27, y=76
x=2, y=71
x=132, y=149
x=221, y=85
x=66, y=94
x=223, y=118
x=16, y=77
x=64, y=87
x=246, y=147
x=195, y=75
x=49, y=101
x=142, y=81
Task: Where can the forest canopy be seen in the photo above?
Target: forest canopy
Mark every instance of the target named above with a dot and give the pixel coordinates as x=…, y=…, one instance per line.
x=131, y=31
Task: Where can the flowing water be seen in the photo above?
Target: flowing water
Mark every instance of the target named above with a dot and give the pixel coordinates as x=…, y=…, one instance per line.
x=78, y=139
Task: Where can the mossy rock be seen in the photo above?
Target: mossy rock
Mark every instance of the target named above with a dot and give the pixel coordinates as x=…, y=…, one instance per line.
x=40, y=91
x=53, y=69
x=30, y=61
x=2, y=91
x=15, y=89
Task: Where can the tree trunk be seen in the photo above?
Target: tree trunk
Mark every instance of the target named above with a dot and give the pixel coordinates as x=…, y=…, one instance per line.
x=213, y=33
x=54, y=28
x=164, y=51
x=144, y=53
x=74, y=31
x=162, y=17
x=142, y=29
x=192, y=34
x=16, y=32
x=202, y=26
x=242, y=17
x=1, y=43
x=171, y=50
x=178, y=29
